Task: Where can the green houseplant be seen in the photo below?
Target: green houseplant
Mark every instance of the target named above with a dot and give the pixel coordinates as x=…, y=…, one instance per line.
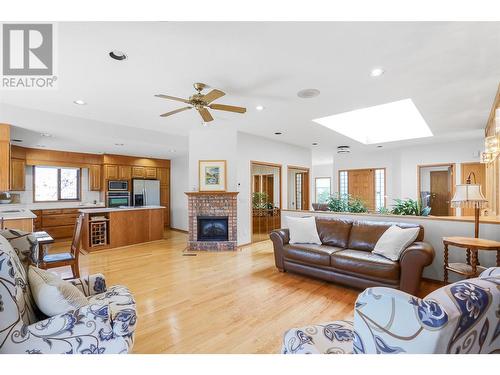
x=409, y=207
x=346, y=203
x=260, y=200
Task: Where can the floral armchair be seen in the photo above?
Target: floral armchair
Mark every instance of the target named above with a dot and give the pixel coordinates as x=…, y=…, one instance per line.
x=105, y=325
x=460, y=318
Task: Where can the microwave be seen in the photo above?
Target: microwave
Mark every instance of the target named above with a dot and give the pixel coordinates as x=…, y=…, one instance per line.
x=117, y=185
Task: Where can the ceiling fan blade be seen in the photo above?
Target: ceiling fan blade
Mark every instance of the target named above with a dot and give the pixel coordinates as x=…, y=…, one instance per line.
x=213, y=95
x=230, y=108
x=175, y=111
x=172, y=98
x=205, y=115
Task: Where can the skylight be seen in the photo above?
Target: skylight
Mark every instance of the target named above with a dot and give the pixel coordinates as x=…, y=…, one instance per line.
x=389, y=122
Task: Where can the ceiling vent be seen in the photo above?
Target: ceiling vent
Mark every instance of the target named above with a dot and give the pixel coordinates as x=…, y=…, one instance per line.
x=308, y=93
x=343, y=150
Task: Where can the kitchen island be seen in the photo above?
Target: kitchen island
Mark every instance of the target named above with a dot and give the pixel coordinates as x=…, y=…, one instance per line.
x=107, y=228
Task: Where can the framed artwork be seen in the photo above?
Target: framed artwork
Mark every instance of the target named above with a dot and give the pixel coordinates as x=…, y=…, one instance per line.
x=212, y=175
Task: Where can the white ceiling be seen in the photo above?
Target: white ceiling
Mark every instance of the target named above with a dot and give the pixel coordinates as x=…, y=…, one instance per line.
x=450, y=71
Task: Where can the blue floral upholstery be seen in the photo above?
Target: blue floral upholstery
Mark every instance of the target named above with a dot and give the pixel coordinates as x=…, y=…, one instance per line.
x=460, y=318
x=105, y=325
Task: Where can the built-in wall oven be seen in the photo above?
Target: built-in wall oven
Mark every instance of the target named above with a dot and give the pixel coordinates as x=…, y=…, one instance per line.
x=117, y=198
x=114, y=185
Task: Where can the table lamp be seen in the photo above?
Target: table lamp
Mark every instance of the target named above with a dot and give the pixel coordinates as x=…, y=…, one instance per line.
x=469, y=195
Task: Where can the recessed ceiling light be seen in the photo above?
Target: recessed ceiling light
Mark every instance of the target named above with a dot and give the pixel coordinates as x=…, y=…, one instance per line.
x=47, y=135
x=315, y=143
x=278, y=133
x=379, y=124
x=40, y=146
x=17, y=140
x=377, y=72
x=380, y=146
x=172, y=150
x=117, y=55
x=118, y=144
x=308, y=93
x=259, y=107
x=80, y=102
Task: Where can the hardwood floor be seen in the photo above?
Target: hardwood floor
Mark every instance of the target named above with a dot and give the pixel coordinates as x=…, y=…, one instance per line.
x=229, y=302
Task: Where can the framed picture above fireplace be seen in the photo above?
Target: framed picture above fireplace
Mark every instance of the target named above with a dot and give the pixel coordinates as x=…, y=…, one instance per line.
x=212, y=175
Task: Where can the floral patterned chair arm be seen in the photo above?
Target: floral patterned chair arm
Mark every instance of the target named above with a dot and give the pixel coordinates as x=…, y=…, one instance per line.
x=122, y=311
x=24, y=244
x=87, y=330
x=90, y=285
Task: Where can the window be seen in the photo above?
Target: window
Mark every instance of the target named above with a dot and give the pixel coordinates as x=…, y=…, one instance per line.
x=56, y=184
x=323, y=189
x=343, y=184
x=379, y=189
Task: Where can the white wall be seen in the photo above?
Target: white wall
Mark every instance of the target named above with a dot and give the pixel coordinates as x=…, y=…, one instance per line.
x=87, y=196
x=253, y=148
x=212, y=144
x=179, y=184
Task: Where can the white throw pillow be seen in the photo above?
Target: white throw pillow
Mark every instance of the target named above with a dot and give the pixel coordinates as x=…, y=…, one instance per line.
x=394, y=240
x=303, y=230
x=52, y=295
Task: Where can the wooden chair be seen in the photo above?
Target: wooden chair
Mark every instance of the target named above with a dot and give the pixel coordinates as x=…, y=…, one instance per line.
x=70, y=258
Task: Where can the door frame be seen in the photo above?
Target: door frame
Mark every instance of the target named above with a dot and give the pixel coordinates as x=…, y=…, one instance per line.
x=452, y=167
x=308, y=186
x=265, y=164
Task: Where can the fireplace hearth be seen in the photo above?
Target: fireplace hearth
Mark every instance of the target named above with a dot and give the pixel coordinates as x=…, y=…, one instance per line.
x=212, y=228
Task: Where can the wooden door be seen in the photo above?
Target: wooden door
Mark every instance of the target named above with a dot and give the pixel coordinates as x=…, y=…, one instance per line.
x=440, y=193
x=480, y=171
x=163, y=175
x=17, y=174
x=268, y=187
x=361, y=184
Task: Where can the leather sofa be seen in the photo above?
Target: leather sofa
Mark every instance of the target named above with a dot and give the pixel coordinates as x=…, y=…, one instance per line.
x=345, y=255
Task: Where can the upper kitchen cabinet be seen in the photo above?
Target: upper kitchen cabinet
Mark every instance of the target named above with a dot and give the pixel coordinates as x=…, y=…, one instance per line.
x=95, y=177
x=150, y=172
x=138, y=172
x=4, y=157
x=163, y=174
x=17, y=174
x=125, y=172
x=111, y=172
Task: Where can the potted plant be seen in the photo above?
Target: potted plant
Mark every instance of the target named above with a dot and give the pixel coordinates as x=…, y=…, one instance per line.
x=410, y=207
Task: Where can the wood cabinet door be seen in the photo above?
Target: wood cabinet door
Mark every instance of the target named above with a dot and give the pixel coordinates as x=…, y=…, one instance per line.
x=138, y=172
x=125, y=172
x=17, y=175
x=111, y=172
x=19, y=224
x=362, y=185
x=150, y=172
x=4, y=165
x=165, y=201
x=95, y=177
x=163, y=174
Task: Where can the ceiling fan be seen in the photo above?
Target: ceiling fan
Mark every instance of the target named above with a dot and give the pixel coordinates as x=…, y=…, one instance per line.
x=201, y=102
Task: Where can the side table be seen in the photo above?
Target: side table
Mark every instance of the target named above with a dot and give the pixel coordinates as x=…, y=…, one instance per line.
x=471, y=246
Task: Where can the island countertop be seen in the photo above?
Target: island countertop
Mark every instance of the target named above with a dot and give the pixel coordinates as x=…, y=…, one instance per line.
x=117, y=209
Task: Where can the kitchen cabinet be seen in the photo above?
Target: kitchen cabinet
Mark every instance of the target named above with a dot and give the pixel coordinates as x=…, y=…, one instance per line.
x=4, y=157
x=111, y=172
x=95, y=177
x=125, y=172
x=37, y=222
x=59, y=223
x=17, y=175
x=150, y=172
x=19, y=224
x=163, y=174
x=138, y=172
x=165, y=201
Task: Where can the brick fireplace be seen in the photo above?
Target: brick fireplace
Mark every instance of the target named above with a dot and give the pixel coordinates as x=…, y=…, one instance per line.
x=212, y=221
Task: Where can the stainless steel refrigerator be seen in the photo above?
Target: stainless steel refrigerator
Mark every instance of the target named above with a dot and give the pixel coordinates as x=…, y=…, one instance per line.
x=145, y=192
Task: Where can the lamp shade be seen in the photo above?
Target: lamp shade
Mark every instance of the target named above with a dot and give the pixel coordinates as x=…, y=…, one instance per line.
x=468, y=196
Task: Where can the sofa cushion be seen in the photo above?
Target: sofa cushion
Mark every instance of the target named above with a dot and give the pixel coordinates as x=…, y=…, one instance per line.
x=334, y=232
x=365, y=264
x=315, y=254
x=365, y=234
x=394, y=240
x=303, y=230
